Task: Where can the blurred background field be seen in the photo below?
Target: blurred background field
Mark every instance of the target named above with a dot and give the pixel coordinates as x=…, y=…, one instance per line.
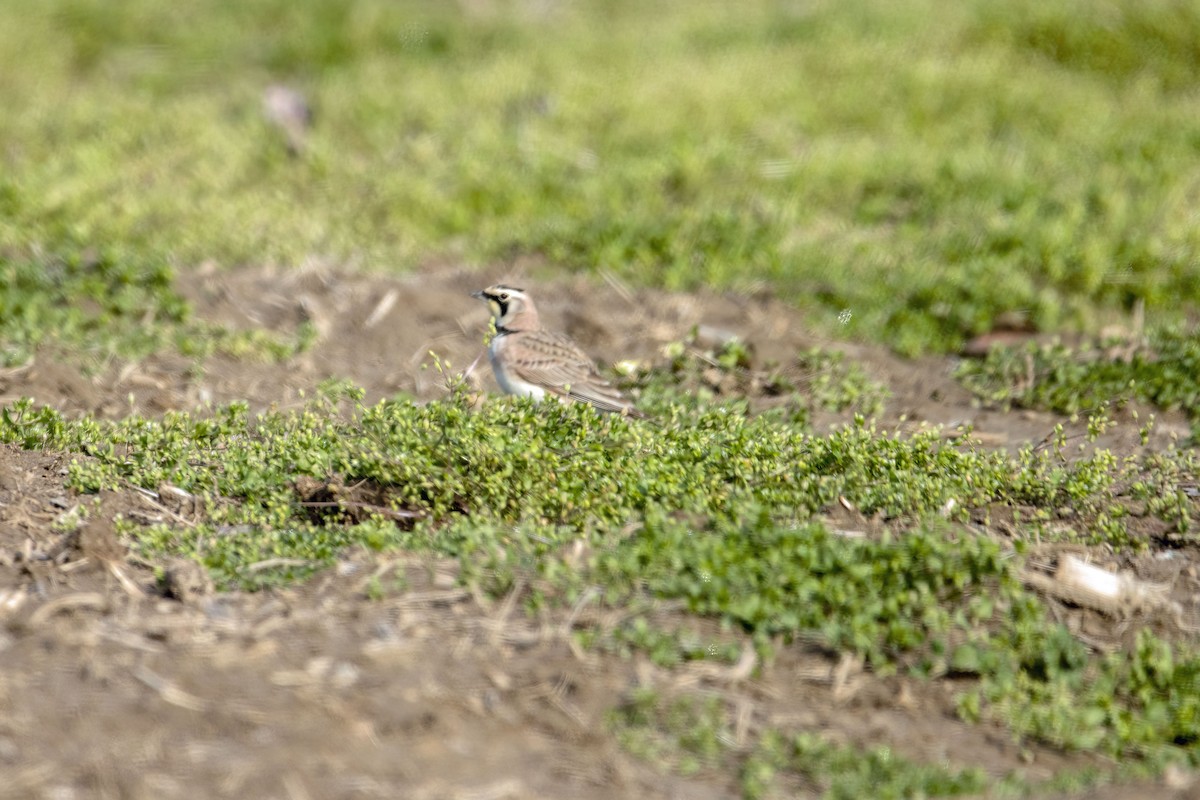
x=931, y=168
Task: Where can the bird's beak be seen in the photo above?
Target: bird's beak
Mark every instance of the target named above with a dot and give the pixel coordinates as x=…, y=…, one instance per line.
x=477, y=295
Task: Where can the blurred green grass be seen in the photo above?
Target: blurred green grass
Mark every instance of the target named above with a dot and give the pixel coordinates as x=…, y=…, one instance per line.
x=926, y=166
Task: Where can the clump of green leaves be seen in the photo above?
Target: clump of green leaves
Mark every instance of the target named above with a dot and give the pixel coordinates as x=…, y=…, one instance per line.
x=1166, y=373
x=689, y=733
x=835, y=384
x=815, y=380
x=111, y=304
x=938, y=602
x=879, y=598
x=665, y=648
x=685, y=734
x=1144, y=702
x=84, y=298
x=849, y=773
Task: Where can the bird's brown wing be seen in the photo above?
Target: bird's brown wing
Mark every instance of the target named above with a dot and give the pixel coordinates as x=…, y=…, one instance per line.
x=556, y=363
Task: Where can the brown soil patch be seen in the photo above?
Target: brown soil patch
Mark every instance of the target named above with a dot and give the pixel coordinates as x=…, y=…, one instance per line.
x=124, y=679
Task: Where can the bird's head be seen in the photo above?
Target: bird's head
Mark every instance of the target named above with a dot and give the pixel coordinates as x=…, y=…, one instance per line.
x=512, y=308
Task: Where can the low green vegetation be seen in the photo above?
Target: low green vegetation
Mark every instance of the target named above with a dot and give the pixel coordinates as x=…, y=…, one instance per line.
x=816, y=379
x=692, y=734
x=99, y=306
x=916, y=181
x=687, y=734
x=666, y=648
x=564, y=469
x=1165, y=371
x=848, y=773
x=782, y=580
x=705, y=506
x=935, y=602
x=833, y=383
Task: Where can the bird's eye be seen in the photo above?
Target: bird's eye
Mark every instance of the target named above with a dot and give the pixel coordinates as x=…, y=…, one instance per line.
x=504, y=295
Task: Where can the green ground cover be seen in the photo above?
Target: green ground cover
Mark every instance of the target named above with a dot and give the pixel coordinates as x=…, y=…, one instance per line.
x=1164, y=371
x=707, y=507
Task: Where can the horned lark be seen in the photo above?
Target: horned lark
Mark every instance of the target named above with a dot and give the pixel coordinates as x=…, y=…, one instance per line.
x=530, y=361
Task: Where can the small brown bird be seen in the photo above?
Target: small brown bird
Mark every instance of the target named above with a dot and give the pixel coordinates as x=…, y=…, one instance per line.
x=530, y=361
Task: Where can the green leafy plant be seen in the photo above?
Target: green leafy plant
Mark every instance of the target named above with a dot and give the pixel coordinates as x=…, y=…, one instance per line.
x=111, y=304
x=847, y=773
x=1070, y=380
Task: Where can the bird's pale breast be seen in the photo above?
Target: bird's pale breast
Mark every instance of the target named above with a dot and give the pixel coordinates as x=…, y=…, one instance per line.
x=509, y=383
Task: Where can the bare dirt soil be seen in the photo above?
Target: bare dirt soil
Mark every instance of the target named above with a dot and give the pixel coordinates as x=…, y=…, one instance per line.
x=113, y=685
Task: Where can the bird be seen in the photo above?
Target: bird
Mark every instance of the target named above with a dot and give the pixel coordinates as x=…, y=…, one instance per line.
x=531, y=361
